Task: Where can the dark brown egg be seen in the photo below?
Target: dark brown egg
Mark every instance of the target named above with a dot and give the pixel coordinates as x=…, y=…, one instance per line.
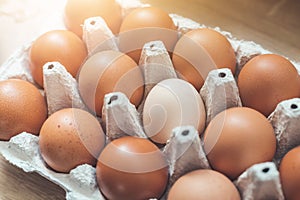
x=22, y=108
x=290, y=174
x=132, y=168
x=71, y=137
x=266, y=80
x=236, y=139
x=203, y=184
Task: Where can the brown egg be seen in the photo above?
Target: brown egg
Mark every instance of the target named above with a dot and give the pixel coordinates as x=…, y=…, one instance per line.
x=71, y=137
x=76, y=11
x=199, y=51
x=143, y=25
x=266, y=80
x=132, y=168
x=290, y=174
x=236, y=139
x=22, y=108
x=203, y=184
x=110, y=71
x=57, y=45
x=172, y=103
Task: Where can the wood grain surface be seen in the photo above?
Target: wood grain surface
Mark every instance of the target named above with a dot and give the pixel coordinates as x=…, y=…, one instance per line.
x=275, y=24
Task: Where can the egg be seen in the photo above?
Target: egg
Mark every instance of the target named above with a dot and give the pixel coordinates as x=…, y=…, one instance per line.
x=132, y=168
x=238, y=138
x=290, y=175
x=199, y=51
x=266, y=80
x=57, y=45
x=172, y=103
x=22, y=108
x=143, y=25
x=76, y=11
x=203, y=184
x=109, y=71
x=70, y=137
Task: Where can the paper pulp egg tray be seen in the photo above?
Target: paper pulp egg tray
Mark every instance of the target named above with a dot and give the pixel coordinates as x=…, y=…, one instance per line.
x=23, y=150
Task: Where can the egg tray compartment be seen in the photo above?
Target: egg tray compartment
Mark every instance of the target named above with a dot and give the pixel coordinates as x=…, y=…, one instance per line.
x=261, y=181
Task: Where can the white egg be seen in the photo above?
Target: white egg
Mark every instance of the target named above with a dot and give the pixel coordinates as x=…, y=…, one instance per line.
x=172, y=103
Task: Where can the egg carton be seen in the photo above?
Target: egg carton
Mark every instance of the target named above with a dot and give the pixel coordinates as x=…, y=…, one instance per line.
x=184, y=150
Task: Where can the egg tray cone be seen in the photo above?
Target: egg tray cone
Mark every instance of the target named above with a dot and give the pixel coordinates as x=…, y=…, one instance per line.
x=260, y=181
x=95, y=32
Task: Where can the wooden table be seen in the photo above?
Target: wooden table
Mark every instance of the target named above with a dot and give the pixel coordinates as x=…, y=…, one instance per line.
x=275, y=24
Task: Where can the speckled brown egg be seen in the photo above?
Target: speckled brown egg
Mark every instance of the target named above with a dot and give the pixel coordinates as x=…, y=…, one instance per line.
x=266, y=80
x=22, y=108
x=199, y=51
x=238, y=138
x=132, y=168
x=203, y=184
x=290, y=174
x=71, y=137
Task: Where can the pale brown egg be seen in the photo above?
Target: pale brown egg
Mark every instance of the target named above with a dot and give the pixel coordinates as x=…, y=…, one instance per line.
x=22, y=108
x=71, y=137
x=266, y=80
x=76, y=11
x=110, y=71
x=143, y=25
x=172, y=103
x=236, y=139
x=203, y=184
x=290, y=174
x=58, y=45
x=131, y=168
x=199, y=51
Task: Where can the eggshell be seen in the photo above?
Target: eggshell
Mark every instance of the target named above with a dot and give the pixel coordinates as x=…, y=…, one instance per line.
x=71, y=137
x=76, y=11
x=266, y=80
x=57, y=45
x=22, y=108
x=32, y=160
x=109, y=71
x=236, y=139
x=132, y=168
x=199, y=51
x=203, y=184
x=172, y=103
x=290, y=175
x=143, y=25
